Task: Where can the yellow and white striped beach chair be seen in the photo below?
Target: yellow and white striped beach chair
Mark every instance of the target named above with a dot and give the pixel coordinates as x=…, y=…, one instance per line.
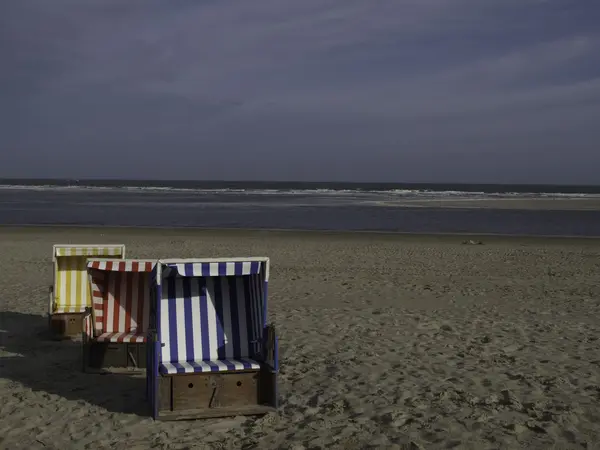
x=70, y=293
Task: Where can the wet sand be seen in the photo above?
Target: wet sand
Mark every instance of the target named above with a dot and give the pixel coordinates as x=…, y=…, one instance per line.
x=387, y=341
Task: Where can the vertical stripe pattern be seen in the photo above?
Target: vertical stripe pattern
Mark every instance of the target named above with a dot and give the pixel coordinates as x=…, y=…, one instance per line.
x=71, y=286
x=71, y=292
x=121, y=299
x=97, y=280
x=92, y=250
x=209, y=318
x=126, y=265
x=87, y=326
x=213, y=269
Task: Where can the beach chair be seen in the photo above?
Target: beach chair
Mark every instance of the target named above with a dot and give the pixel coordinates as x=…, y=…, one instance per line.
x=115, y=327
x=70, y=293
x=211, y=352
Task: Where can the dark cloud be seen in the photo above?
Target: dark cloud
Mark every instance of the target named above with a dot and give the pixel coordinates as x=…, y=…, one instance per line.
x=345, y=89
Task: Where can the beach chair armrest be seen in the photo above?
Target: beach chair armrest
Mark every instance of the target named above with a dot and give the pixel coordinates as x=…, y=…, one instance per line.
x=87, y=331
x=271, y=347
x=151, y=352
x=151, y=339
x=51, y=300
x=151, y=334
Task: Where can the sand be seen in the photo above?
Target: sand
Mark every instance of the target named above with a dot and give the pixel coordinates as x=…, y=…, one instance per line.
x=387, y=341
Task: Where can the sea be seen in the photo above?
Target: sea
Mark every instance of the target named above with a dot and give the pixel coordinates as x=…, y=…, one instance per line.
x=384, y=207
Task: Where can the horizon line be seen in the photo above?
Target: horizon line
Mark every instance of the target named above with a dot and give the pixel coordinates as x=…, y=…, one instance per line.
x=322, y=182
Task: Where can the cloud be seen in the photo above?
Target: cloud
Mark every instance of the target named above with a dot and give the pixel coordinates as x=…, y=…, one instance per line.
x=297, y=83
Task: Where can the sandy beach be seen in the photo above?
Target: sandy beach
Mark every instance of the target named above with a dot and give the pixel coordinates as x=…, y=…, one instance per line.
x=387, y=341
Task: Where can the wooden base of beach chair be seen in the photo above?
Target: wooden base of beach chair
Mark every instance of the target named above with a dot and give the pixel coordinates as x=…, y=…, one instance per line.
x=66, y=326
x=204, y=395
x=116, y=357
x=256, y=410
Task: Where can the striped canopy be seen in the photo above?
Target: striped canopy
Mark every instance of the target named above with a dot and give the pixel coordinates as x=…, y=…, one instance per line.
x=210, y=314
x=210, y=318
x=71, y=293
x=215, y=268
x=121, y=298
x=89, y=250
x=126, y=265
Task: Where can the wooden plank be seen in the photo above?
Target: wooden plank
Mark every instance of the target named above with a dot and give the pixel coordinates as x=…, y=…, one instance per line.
x=165, y=394
x=193, y=391
x=215, y=390
x=112, y=355
x=205, y=413
x=238, y=390
x=266, y=387
x=140, y=350
x=66, y=326
x=106, y=354
x=114, y=371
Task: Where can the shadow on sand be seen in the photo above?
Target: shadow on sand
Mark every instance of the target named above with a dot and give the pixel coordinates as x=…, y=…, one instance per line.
x=30, y=357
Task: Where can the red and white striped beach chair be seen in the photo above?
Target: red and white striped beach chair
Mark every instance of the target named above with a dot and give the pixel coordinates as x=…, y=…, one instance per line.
x=116, y=325
x=211, y=352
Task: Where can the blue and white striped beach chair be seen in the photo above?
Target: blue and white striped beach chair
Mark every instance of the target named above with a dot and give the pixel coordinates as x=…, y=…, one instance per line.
x=214, y=353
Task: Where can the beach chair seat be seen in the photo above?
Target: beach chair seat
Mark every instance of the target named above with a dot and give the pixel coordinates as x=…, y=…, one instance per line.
x=215, y=365
x=210, y=351
x=118, y=322
x=69, y=309
x=69, y=295
x=122, y=337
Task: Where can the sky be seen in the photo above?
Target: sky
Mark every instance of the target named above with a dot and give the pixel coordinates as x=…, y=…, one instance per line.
x=498, y=91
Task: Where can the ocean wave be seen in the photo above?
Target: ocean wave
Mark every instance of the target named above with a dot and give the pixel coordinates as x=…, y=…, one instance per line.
x=391, y=193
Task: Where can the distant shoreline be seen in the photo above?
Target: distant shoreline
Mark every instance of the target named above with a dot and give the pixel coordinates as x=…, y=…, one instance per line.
x=485, y=238
x=529, y=204
x=485, y=188
x=346, y=211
